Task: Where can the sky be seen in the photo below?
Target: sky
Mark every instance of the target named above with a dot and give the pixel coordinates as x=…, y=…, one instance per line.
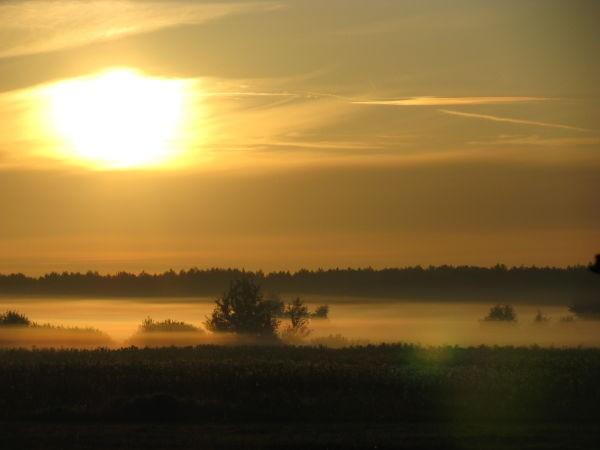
x=276, y=135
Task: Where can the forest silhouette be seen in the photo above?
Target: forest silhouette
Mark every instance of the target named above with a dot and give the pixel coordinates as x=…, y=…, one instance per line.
x=549, y=285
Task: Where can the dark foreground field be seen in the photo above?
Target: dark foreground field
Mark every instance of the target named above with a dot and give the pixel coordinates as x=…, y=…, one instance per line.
x=391, y=396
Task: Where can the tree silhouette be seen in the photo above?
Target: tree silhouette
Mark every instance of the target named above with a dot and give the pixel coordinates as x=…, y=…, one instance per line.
x=243, y=310
x=501, y=313
x=589, y=308
x=595, y=267
x=299, y=320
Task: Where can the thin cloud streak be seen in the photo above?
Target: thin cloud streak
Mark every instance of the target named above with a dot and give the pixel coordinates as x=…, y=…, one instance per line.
x=447, y=101
x=540, y=141
x=247, y=94
x=30, y=27
x=511, y=120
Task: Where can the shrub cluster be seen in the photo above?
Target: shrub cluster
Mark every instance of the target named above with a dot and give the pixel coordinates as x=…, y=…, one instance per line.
x=501, y=313
x=13, y=318
x=149, y=325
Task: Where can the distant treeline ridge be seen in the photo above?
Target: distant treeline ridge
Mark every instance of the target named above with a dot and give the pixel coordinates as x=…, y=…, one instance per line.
x=543, y=284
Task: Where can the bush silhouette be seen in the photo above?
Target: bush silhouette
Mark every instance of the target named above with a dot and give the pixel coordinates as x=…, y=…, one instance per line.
x=13, y=318
x=587, y=310
x=168, y=326
x=19, y=331
x=166, y=333
x=299, y=320
x=322, y=312
x=243, y=310
x=501, y=313
x=540, y=318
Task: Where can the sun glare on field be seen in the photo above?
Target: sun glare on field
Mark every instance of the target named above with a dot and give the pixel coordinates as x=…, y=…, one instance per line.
x=118, y=119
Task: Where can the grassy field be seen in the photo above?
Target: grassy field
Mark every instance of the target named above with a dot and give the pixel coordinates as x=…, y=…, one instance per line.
x=395, y=396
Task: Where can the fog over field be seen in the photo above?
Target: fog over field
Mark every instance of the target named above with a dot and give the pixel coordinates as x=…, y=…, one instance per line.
x=358, y=321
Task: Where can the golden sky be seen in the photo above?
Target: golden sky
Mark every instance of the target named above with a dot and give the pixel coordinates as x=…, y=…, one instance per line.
x=285, y=134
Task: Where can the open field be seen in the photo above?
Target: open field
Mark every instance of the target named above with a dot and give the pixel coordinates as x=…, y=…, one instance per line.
x=410, y=435
x=379, y=397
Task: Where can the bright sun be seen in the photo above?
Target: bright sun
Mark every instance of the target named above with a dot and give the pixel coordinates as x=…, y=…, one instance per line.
x=118, y=118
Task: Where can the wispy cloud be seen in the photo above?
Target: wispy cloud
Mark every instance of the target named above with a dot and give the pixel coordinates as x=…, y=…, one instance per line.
x=327, y=145
x=28, y=27
x=511, y=120
x=247, y=94
x=541, y=141
x=448, y=101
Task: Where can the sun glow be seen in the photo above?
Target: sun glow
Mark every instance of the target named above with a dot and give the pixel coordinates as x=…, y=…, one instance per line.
x=118, y=118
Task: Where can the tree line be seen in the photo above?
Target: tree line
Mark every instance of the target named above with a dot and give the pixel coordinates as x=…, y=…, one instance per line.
x=498, y=283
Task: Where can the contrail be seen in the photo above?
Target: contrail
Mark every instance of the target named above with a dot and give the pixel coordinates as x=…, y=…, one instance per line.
x=447, y=101
x=511, y=120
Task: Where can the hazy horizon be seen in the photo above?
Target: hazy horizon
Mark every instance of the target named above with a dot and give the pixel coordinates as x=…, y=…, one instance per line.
x=369, y=321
